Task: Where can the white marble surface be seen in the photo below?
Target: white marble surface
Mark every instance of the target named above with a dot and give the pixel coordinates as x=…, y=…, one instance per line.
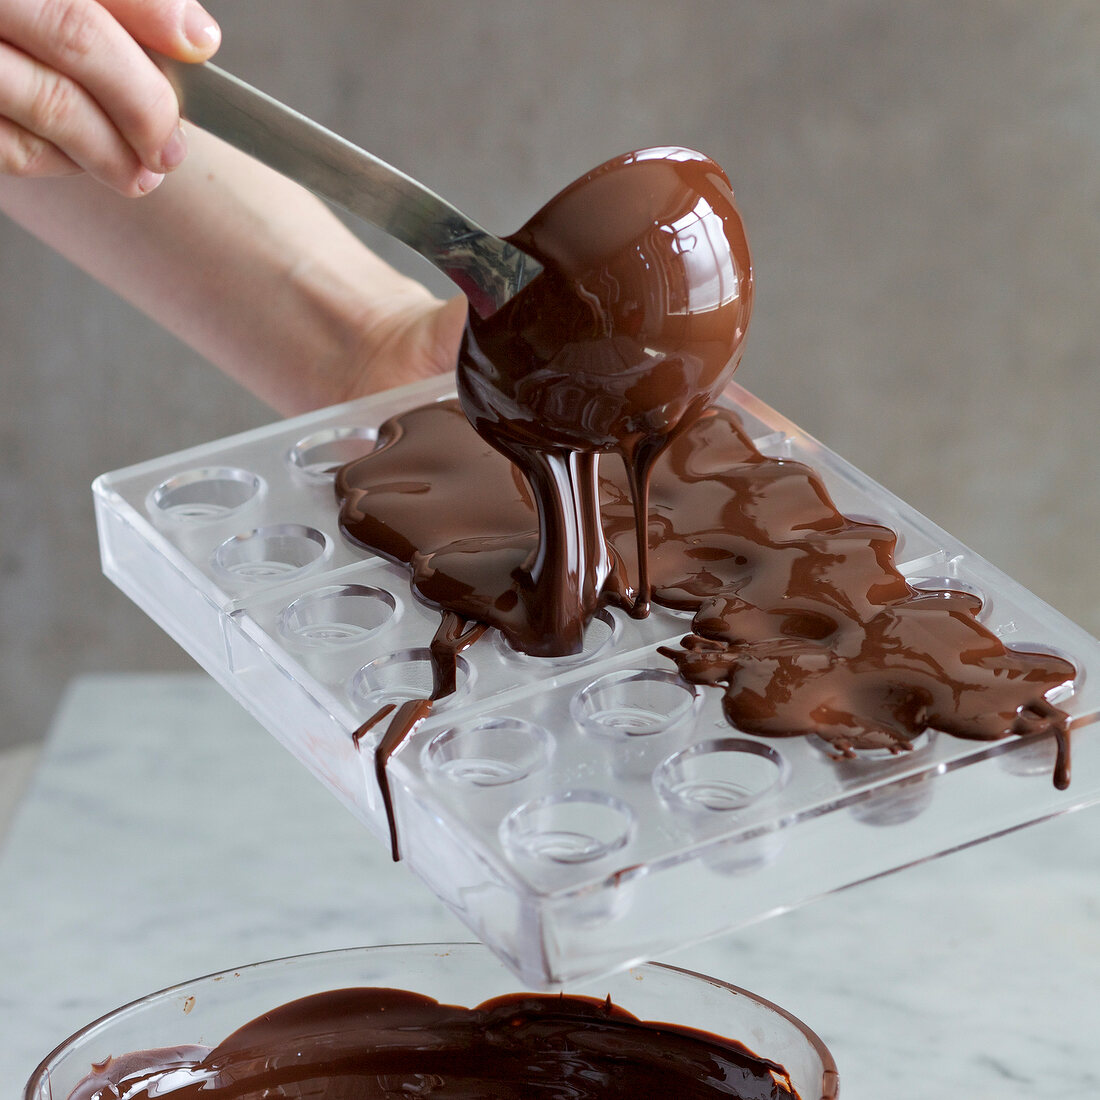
x=16, y=766
x=165, y=835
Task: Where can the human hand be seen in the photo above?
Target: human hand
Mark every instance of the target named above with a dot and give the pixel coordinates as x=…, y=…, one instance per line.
x=78, y=93
x=412, y=340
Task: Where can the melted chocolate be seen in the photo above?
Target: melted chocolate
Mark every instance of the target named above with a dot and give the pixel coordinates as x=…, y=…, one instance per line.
x=455, y=634
x=630, y=332
x=621, y=345
x=800, y=611
x=384, y=1043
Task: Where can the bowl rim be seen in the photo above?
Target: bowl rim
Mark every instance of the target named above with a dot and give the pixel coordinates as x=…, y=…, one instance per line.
x=830, y=1079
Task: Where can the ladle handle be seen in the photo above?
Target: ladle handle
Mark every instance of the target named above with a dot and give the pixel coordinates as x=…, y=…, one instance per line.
x=486, y=268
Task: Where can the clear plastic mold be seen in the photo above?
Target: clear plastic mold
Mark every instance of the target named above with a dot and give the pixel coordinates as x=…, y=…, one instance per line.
x=579, y=814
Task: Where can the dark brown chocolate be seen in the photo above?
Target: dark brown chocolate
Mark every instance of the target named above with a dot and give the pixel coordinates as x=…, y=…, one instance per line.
x=620, y=346
x=630, y=332
x=455, y=634
x=802, y=615
x=378, y=1044
x=800, y=611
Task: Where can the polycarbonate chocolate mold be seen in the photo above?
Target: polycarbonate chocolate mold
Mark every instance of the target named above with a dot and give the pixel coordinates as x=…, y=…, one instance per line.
x=578, y=813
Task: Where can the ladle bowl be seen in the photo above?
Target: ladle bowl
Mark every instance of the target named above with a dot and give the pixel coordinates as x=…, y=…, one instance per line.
x=637, y=319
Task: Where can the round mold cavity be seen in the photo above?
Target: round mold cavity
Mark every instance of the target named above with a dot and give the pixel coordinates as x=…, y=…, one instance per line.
x=495, y=752
x=267, y=554
x=889, y=802
x=635, y=703
x=573, y=827
x=711, y=780
x=896, y=803
x=858, y=762
x=339, y=616
x=1030, y=756
x=205, y=495
x=946, y=587
x=317, y=457
x=398, y=677
x=599, y=635
x=743, y=855
x=707, y=786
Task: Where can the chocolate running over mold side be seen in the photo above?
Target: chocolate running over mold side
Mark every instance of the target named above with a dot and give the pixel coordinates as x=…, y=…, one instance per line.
x=801, y=615
x=453, y=635
x=378, y=1043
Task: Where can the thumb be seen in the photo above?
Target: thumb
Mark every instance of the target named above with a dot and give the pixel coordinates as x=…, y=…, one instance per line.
x=182, y=29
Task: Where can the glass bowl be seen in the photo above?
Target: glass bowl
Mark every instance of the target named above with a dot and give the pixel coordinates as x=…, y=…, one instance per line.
x=204, y=1011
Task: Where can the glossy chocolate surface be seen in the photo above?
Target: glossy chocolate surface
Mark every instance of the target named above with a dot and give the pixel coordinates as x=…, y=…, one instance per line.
x=620, y=347
x=630, y=332
x=801, y=615
x=380, y=1044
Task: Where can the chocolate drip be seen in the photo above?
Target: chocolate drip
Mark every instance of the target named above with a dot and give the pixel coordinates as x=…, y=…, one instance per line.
x=454, y=634
x=437, y=498
x=804, y=618
x=382, y=1043
x=630, y=332
x=620, y=346
x=800, y=612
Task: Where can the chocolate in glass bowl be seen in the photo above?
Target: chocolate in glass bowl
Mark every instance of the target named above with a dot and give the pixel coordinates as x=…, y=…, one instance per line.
x=177, y=1028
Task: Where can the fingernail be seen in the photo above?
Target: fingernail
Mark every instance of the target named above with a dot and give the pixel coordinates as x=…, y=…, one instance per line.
x=199, y=26
x=175, y=149
x=149, y=181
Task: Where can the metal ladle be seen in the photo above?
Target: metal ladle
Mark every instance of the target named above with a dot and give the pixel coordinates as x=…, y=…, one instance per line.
x=487, y=269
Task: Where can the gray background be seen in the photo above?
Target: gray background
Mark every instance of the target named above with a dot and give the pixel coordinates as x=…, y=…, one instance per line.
x=921, y=186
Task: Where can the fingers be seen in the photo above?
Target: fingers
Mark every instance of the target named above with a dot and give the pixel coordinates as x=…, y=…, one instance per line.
x=48, y=111
x=74, y=75
x=24, y=154
x=182, y=29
